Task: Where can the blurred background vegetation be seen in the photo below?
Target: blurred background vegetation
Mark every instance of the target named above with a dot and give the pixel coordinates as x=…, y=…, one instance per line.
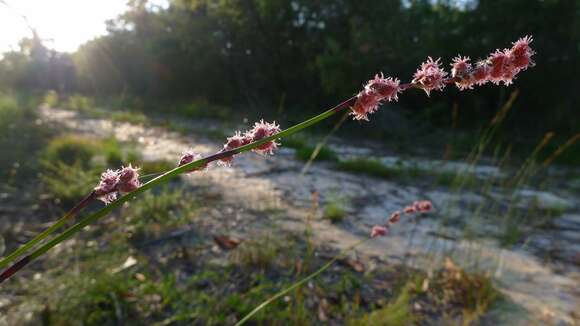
x=287, y=59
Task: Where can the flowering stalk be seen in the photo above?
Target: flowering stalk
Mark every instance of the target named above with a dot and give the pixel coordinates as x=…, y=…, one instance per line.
x=377, y=230
x=301, y=282
x=185, y=168
x=501, y=66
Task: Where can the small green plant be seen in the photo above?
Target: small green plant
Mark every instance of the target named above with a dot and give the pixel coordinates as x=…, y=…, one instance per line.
x=21, y=138
x=72, y=149
x=73, y=163
x=334, y=210
x=367, y=166
x=68, y=183
x=295, y=142
x=50, y=99
x=130, y=117
x=202, y=109
x=259, y=253
x=472, y=291
x=396, y=313
x=305, y=152
x=156, y=212
x=79, y=103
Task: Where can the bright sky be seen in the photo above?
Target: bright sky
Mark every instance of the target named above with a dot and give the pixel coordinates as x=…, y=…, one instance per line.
x=62, y=24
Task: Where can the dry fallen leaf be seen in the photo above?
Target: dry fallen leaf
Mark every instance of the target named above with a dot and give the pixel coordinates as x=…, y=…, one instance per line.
x=450, y=265
x=425, y=285
x=129, y=262
x=322, y=310
x=298, y=266
x=355, y=264
x=226, y=243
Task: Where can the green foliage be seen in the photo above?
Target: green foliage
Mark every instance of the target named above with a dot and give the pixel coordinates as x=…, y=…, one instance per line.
x=295, y=141
x=474, y=291
x=69, y=183
x=72, y=164
x=130, y=117
x=157, y=212
x=72, y=149
x=304, y=153
x=95, y=299
x=397, y=313
x=21, y=138
x=367, y=166
x=79, y=103
x=201, y=109
x=257, y=253
x=334, y=211
x=51, y=99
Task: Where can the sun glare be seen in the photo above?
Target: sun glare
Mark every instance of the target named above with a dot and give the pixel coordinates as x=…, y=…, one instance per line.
x=62, y=24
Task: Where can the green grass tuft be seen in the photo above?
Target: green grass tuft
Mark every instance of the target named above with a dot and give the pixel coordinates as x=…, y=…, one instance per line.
x=334, y=211
x=366, y=166
x=397, y=313
x=156, y=212
x=132, y=117
x=259, y=253
x=304, y=153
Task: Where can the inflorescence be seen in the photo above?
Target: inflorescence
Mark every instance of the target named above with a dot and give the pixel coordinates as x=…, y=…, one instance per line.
x=115, y=182
x=501, y=66
x=422, y=206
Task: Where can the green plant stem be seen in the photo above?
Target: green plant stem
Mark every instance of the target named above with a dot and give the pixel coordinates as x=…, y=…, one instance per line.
x=299, y=283
x=152, y=183
x=58, y=224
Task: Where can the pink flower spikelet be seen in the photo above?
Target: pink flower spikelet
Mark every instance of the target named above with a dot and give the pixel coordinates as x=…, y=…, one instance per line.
x=501, y=68
x=430, y=76
x=128, y=179
x=461, y=70
x=481, y=73
x=114, y=182
x=108, y=198
x=262, y=130
x=395, y=217
x=379, y=231
x=189, y=157
x=237, y=140
x=367, y=102
x=107, y=187
x=522, y=53
x=373, y=94
x=409, y=209
x=421, y=206
x=385, y=88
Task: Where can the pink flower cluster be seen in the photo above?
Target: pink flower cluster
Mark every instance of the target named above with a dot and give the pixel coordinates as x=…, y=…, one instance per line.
x=422, y=206
x=430, y=76
x=114, y=182
x=260, y=130
x=189, y=157
x=373, y=94
x=499, y=67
